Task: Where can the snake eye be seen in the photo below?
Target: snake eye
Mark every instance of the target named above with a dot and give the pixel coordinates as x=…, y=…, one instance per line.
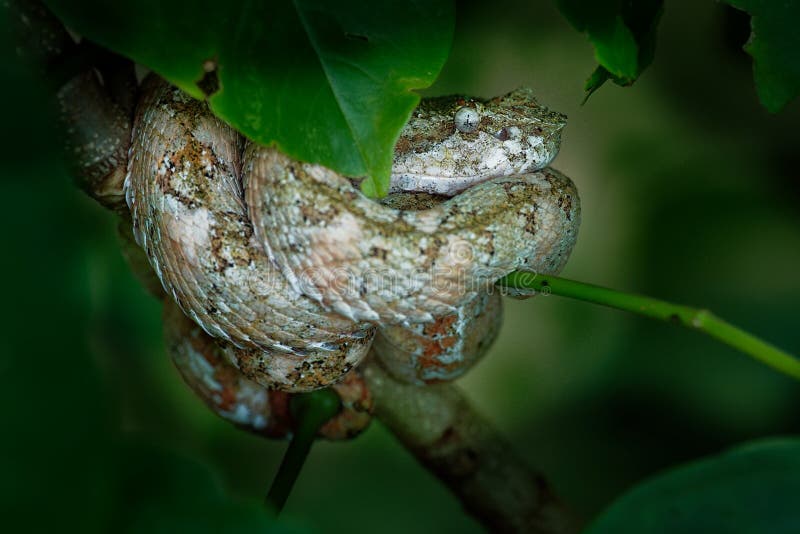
x=467, y=119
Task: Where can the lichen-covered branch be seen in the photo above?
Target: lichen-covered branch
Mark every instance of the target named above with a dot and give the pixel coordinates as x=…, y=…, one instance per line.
x=437, y=424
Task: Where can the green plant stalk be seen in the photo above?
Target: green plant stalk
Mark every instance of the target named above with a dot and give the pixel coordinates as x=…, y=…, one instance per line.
x=310, y=412
x=694, y=318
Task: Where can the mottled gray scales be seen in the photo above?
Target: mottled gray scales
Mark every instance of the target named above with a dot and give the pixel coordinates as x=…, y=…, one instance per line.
x=292, y=268
x=184, y=193
x=436, y=259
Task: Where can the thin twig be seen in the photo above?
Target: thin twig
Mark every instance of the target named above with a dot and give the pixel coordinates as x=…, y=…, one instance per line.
x=694, y=318
x=310, y=411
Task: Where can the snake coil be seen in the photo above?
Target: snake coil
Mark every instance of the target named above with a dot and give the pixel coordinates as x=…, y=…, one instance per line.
x=292, y=270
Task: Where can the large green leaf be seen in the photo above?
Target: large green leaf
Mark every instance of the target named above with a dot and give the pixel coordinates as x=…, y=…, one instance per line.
x=623, y=33
x=750, y=489
x=774, y=44
x=328, y=82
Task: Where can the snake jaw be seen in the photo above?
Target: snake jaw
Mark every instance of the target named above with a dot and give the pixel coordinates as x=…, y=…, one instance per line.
x=448, y=171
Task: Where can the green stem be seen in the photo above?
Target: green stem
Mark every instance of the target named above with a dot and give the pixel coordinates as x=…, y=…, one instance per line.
x=697, y=319
x=310, y=412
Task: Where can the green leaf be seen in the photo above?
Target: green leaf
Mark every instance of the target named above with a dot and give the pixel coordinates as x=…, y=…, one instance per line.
x=750, y=489
x=623, y=33
x=328, y=83
x=774, y=43
x=595, y=81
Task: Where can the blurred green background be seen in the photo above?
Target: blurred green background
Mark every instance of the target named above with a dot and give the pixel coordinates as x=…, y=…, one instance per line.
x=690, y=192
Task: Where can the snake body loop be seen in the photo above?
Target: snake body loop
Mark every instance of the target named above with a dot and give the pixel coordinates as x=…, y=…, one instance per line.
x=370, y=262
x=185, y=196
x=293, y=269
x=204, y=364
x=447, y=347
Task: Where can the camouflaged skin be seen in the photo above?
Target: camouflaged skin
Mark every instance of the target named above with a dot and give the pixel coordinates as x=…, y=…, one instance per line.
x=291, y=267
x=513, y=135
x=97, y=140
x=444, y=349
x=204, y=364
x=447, y=347
x=371, y=262
x=184, y=192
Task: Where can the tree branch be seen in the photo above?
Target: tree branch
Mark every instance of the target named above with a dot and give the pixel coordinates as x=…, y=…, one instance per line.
x=437, y=424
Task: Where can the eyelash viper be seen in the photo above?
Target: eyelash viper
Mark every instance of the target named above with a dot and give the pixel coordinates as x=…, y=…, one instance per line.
x=293, y=268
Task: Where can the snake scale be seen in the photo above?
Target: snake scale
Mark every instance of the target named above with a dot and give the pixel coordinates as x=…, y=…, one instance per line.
x=295, y=273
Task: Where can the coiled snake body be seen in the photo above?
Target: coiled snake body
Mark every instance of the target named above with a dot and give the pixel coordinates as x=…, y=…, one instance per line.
x=293, y=269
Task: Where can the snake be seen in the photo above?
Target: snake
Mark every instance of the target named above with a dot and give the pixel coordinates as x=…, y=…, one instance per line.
x=296, y=272
x=204, y=364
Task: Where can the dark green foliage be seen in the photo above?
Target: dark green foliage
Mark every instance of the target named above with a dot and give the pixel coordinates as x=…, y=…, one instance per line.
x=65, y=463
x=749, y=489
x=623, y=33
x=327, y=82
x=775, y=46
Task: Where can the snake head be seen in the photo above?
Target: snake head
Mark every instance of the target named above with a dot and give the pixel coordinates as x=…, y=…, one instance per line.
x=453, y=142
